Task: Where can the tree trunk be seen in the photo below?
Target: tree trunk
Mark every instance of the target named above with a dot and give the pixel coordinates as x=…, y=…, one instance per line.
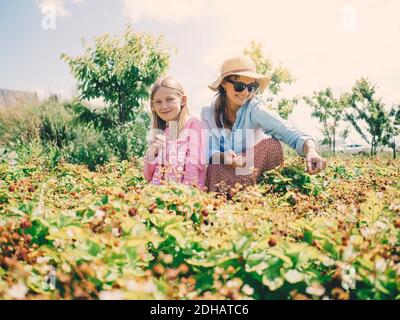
x=329, y=141
x=334, y=143
x=122, y=110
x=372, y=146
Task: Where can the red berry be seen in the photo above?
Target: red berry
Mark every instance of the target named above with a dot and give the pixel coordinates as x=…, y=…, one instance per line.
x=132, y=212
x=26, y=224
x=204, y=212
x=152, y=207
x=183, y=268
x=11, y=188
x=31, y=189
x=231, y=194
x=272, y=242
x=159, y=269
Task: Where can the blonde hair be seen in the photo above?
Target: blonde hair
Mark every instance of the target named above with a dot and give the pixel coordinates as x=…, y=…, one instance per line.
x=171, y=83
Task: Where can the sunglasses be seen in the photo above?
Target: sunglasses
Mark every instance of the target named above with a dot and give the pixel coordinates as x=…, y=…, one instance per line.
x=240, y=86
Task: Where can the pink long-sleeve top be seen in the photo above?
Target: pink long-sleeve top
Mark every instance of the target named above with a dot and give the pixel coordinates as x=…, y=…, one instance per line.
x=182, y=160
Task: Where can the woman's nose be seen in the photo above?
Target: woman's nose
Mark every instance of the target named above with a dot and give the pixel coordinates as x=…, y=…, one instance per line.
x=245, y=92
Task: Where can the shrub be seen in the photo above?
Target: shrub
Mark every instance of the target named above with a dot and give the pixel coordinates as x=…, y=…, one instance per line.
x=129, y=140
x=89, y=147
x=18, y=124
x=55, y=124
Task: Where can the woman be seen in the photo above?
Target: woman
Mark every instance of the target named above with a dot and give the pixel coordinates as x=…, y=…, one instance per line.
x=238, y=151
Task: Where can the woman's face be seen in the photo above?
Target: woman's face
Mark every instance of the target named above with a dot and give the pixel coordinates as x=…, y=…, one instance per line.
x=237, y=99
x=167, y=103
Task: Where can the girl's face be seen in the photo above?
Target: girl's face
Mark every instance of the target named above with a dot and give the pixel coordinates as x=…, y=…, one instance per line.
x=237, y=99
x=167, y=103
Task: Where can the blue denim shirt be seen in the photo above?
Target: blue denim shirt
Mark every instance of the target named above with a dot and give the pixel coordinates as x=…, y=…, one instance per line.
x=252, y=115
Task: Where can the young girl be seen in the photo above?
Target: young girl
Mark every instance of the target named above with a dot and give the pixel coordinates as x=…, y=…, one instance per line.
x=176, y=151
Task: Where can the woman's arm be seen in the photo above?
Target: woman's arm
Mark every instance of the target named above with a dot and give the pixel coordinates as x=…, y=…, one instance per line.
x=211, y=137
x=309, y=145
x=273, y=125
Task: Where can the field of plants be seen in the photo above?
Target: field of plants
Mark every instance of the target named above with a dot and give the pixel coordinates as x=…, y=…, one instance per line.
x=70, y=233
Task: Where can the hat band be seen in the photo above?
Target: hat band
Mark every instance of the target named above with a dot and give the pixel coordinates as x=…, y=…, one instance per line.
x=237, y=70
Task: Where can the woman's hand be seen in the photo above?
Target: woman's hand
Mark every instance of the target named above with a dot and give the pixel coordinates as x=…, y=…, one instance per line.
x=156, y=145
x=233, y=160
x=315, y=163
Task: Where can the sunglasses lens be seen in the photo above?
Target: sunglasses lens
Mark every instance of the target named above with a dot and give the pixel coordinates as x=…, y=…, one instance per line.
x=252, y=87
x=239, y=86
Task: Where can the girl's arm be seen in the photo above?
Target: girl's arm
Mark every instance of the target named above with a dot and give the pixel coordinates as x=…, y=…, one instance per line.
x=195, y=168
x=150, y=165
x=150, y=159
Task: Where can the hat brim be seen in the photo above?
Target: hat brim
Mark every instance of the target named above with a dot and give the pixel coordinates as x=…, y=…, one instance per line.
x=264, y=79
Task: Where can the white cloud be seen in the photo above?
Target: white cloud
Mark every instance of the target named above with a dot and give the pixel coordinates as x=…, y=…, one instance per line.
x=314, y=38
x=322, y=43
x=175, y=11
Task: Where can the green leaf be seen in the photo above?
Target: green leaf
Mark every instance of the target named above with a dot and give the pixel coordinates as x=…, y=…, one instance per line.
x=94, y=248
x=294, y=276
x=104, y=199
x=308, y=236
x=242, y=244
x=38, y=231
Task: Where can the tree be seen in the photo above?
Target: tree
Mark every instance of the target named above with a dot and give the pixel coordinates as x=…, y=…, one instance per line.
x=120, y=70
x=285, y=106
x=392, y=129
x=279, y=76
x=365, y=110
x=328, y=110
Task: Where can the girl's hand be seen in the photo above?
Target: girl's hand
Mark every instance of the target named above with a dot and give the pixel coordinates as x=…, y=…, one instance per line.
x=315, y=163
x=156, y=145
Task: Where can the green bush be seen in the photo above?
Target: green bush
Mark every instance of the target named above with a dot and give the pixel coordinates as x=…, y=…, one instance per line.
x=74, y=132
x=49, y=122
x=89, y=147
x=55, y=124
x=17, y=124
x=129, y=140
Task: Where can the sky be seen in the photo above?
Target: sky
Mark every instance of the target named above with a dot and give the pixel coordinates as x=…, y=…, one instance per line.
x=323, y=43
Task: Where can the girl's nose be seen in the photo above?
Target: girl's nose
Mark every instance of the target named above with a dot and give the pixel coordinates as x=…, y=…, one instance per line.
x=163, y=105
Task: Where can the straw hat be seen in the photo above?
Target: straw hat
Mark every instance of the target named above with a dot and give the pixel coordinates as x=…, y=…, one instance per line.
x=241, y=66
